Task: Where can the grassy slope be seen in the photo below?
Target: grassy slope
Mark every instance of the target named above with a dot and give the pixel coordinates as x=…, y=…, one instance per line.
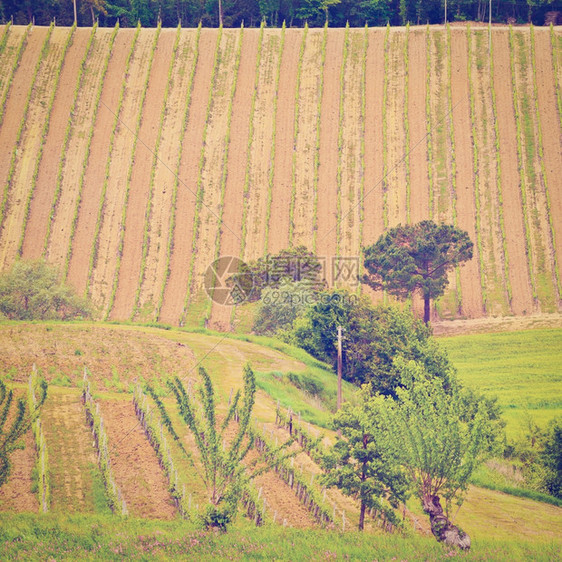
x=523, y=369
x=486, y=513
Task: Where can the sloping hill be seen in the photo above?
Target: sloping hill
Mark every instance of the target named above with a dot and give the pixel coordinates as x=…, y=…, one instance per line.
x=134, y=158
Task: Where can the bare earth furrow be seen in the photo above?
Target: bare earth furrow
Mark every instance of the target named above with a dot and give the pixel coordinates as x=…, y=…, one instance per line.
x=231, y=227
x=140, y=182
x=40, y=208
x=74, y=159
x=351, y=165
x=213, y=172
x=120, y=160
x=522, y=300
x=99, y=153
x=326, y=239
x=8, y=57
x=166, y=185
x=535, y=206
x=261, y=161
x=284, y=144
x=551, y=135
x=134, y=463
x=305, y=148
x=396, y=134
x=176, y=287
x=470, y=272
x=29, y=146
x=493, y=252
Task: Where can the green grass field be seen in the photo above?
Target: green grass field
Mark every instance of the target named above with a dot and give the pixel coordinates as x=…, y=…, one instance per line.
x=523, y=369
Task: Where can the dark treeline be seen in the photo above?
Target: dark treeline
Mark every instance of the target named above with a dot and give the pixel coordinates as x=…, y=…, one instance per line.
x=233, y=13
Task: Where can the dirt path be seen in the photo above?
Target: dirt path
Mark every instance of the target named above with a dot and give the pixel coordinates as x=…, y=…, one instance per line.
x=176, y=287
x=166, y=183
x=551, y=134
x=304, y=223
x=284, y=144
x=72, y=457
x=16, y=495
x=53, y=153
x=466, y=213
x=95, y=171
x=396, y=181
x=326, y=238
x=15, y=104
x=29, y=146
x=263, y=145
x=231, y=228
x=134, y=463
x=142, y=188
x=419, y=181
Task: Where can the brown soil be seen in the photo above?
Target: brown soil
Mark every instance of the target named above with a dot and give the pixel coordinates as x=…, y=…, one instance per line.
x=72, y=455
x=134, y=463
x=40, y=209
x=15, y=104
x=95, y=172
x=470, y=272
x=263, y=145
x=284, y=144
x=176, y=287
x=522, y=298
x=140, y=179
x=417, y=53
x=8, y=56
x=551, y=133
x=231, y=228
x=326, y=239
x=216, y=147
x=29, y=147
x=114, y=357
x=15, y=494
x=75, y=156
x=304, y=168
x=121, y=163
x=396, y=132
x=165, y=180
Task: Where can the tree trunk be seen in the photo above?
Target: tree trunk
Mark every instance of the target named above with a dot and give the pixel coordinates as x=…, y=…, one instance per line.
x=442, y=529
x=426, y=309
x=362, y=516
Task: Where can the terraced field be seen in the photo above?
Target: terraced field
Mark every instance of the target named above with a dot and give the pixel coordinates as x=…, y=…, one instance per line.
x=134, y=158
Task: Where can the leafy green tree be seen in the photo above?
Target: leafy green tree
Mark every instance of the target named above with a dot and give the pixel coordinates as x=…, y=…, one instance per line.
x=552, y=459
x=288, y=266
x=416, y=258
x=24, y=417
x=31, y=290
x=279, y=307
x=361, y=464
x=223, y=473
x=440, y=437
x=372, y=338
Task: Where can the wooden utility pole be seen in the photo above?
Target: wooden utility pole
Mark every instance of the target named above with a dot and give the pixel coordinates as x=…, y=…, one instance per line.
x=339, y=368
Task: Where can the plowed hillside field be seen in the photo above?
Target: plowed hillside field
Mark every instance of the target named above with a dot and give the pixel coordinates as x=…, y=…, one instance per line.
x=134, y=158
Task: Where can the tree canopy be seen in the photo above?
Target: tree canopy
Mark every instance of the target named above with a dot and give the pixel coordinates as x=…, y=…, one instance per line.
x=31, y=290
x=373, y=336
x=251, y=12
x=416, y=258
